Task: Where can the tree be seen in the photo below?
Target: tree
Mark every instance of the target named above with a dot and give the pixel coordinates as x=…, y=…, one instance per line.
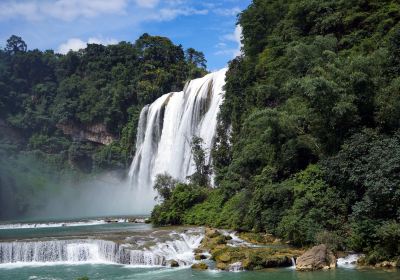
x=201, y=176
x=196, y=58
x=15, y=44
x=164, y=185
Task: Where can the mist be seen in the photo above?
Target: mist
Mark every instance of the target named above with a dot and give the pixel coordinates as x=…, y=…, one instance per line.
x=31, y=189
x=104, y=195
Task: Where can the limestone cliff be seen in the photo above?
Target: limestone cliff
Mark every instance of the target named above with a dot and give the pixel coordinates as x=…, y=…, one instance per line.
x=96, y=133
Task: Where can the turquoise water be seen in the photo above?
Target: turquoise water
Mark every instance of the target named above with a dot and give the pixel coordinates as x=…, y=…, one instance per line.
x=91, y=230
x=120, y=231
x=98, y=272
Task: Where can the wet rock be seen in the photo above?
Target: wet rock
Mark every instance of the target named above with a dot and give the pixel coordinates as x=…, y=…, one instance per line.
x=200, y=266
x=386, y=264
x=198, y=251
x=173, y=263
x=212, y=233
x=318, y=257
x=222, y=266
x=199, y=257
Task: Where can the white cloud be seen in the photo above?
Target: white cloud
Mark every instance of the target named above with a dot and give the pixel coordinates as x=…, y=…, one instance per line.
x=61, y=9
x=13, y=9
x=168, y=14
x=76, y=44
x=147, y=3
x=227, y=12
x=235, y=37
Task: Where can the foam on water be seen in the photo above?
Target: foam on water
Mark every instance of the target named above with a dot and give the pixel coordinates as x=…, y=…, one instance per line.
x=93, y=251
x=349, y=261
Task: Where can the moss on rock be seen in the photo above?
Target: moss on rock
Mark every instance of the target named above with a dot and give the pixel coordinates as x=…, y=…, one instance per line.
x=200, y=266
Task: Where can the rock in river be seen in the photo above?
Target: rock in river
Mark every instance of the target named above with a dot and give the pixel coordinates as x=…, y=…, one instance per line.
x=318, y=257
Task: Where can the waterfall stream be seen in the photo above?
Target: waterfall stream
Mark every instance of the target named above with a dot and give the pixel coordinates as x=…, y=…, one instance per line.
x=166, y=128
x=180, y=249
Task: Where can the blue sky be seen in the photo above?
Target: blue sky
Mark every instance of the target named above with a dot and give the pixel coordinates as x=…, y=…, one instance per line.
x=206, y=25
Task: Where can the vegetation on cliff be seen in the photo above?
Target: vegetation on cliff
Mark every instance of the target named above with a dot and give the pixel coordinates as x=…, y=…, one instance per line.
x=308, y=139
x=99, y=88
x=57, y=111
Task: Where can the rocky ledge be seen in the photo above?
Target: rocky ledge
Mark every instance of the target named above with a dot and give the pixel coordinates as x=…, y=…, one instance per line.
x=234, y=258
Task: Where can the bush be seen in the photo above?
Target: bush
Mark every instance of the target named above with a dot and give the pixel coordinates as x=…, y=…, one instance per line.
x=171, y=211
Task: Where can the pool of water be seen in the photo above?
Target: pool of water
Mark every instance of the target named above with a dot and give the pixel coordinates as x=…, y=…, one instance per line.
x=106, y=272
x=98, y=268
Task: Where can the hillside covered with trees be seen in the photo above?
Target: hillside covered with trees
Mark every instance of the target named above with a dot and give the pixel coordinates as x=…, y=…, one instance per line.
x=308, y=142
x=76, y=114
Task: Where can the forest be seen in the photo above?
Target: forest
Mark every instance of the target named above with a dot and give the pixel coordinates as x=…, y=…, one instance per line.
x=47, y=99
x=308, y=140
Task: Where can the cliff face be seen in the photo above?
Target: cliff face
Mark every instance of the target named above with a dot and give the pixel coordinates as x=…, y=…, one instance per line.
x=96, y=133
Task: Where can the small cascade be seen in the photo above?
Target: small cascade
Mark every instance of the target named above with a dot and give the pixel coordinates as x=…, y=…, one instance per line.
x=100, y=251
x=236, y=267
x=349, y=261
x=293, y=262
x=166, y=128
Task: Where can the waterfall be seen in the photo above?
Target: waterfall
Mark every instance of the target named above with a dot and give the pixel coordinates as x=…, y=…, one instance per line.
x=100, y=251
x=165, y=130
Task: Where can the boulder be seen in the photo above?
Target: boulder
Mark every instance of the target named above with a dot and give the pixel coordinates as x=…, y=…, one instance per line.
x=199, y=257
x=386, y=264
x=212, y=233
x=174, y=263
x=200, y=266
x=318, y=257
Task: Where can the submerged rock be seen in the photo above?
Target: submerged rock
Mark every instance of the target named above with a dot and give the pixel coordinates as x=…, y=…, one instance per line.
x=318, y=257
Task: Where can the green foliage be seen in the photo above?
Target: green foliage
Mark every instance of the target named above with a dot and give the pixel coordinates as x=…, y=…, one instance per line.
x=307, y=144
x=164, y=185
x=98, y=85
x=317, y=207
x=15, y=44
x=201, y=176
x=172, y=210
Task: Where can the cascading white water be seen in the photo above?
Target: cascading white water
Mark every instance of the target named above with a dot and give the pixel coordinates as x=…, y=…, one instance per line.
x=166, y=128
x=100, y=251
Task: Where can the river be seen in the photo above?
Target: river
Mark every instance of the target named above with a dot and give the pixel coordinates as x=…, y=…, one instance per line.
x=104, y=248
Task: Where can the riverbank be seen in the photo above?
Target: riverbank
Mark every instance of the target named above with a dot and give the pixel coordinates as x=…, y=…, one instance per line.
x=233, y=251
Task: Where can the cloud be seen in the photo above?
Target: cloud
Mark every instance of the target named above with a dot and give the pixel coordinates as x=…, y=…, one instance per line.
x=227, y=12
x=168, y=14
x=66, y=10
x=147, y=3
x=76, y=44
x=235, y=37
x=13, y=9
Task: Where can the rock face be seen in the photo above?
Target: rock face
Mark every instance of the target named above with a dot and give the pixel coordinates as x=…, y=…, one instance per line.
x=96, y=133
x=318, y=257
